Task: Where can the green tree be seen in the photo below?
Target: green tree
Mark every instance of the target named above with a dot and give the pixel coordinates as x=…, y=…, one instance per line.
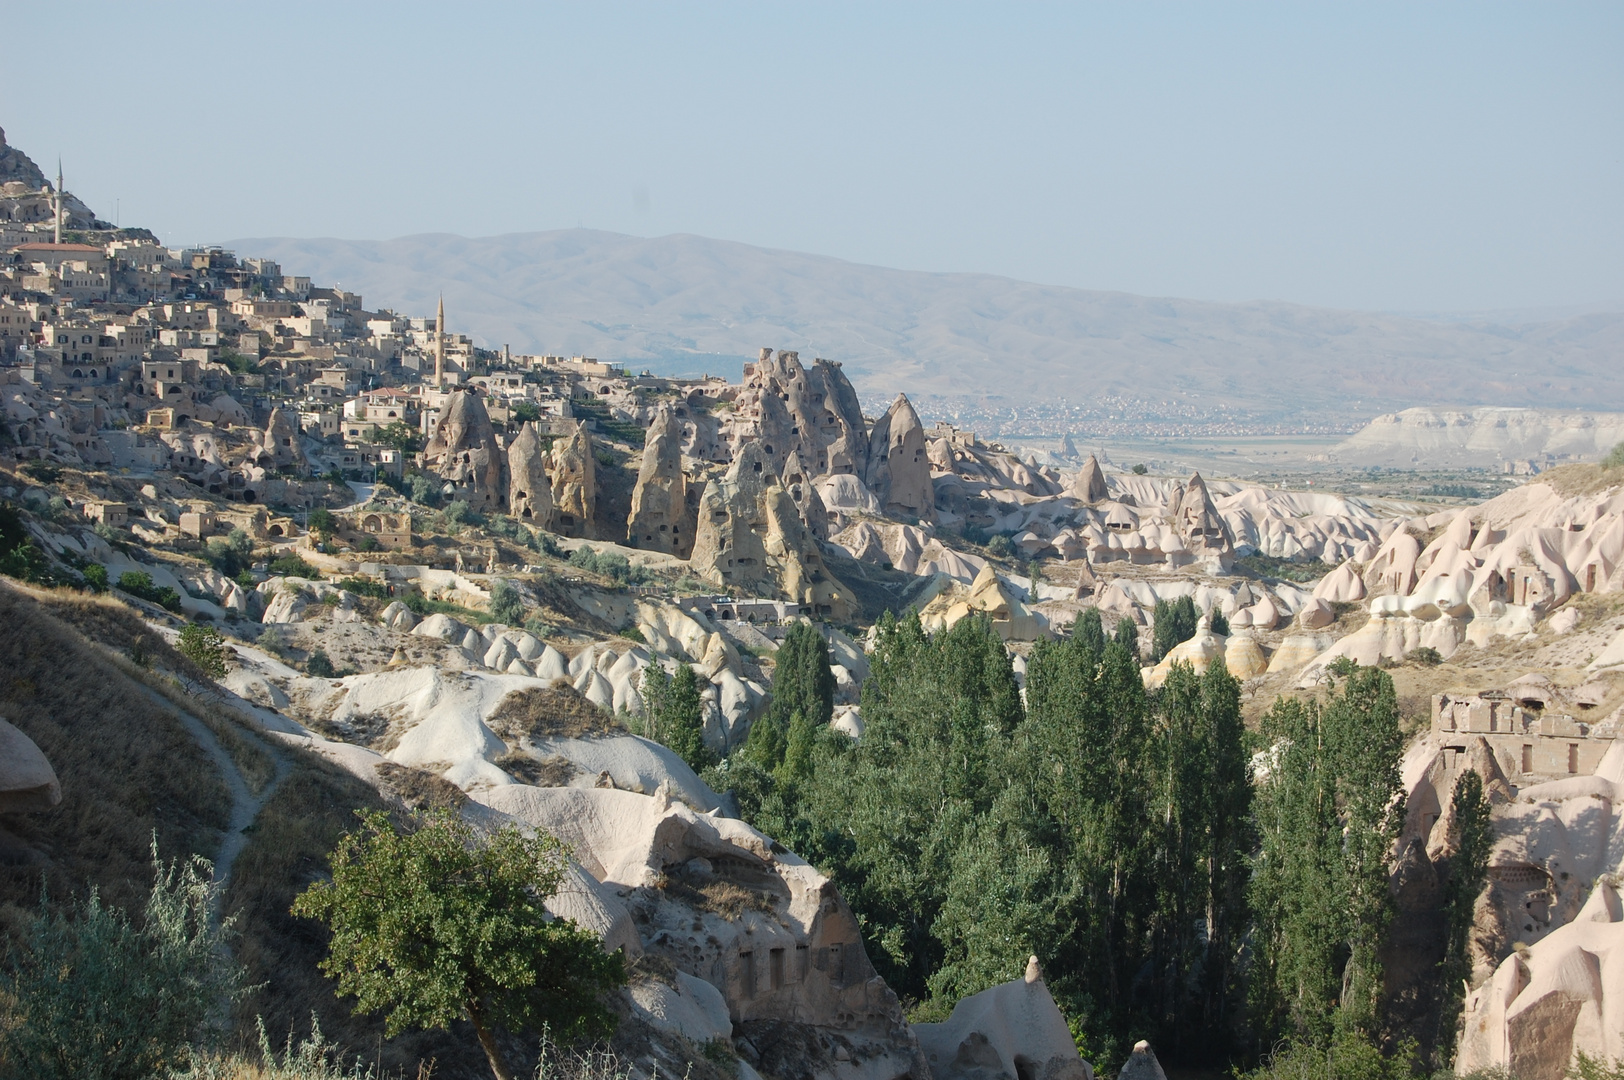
x=95, y=575
x=1468, y=869
x=438, y=923
x=1172, y=622
x=1615, y=457
x=319, y=666
x=890, y=815
x=1329, y=810
x=94, y=995
x=322, y=522
x=401, y=436
x=803, y=683
x=204, y=646
x=507, y=605
x=674, y=714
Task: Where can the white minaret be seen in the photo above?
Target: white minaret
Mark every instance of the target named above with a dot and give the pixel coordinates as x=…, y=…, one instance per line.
x=58, y=216
x=439, y=344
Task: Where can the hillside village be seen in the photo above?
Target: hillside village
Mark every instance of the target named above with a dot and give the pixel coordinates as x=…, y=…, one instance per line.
x=400, y=535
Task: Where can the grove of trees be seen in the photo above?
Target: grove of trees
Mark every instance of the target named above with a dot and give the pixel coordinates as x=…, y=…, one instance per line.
x=1219, y=892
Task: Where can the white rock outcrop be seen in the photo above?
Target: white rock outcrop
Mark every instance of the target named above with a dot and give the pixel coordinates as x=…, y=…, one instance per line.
x=1013, y=1031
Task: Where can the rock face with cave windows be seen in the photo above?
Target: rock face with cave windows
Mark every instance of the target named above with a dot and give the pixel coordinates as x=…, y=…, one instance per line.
x=365, y=529
x=575, y=486
x=530, y=490
x=751, y=539
x=728, y=907
x=281, y=446
x=790, y=409
x=899, y=466
x=1206, y=537
x=662, y=517
x=465, y=454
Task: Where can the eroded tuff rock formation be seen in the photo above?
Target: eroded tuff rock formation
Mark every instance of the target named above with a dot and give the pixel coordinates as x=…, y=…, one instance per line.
x=1013, y=1031
x=530, y=489
x=790, y=409
x=281, y=446
x=1200, y=524
x=793, y=976
x=751, y=539
x=797, y=480
x=1089, y=483
x=465, y=454
x=898, y=466
x=661, y=519
x=575, y=485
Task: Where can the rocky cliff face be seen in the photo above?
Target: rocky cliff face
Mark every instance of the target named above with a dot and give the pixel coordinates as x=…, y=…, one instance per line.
x=661, y=518
x=465, y=454
x=575, y=486
x=751, y=539
x=18, y=167
x=530, y=490
x=898, y=468
x=790, y=410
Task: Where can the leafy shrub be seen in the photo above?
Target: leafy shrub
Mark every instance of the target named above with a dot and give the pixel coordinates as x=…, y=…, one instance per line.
x=204, y=646
x=95, y=575
x=364, y=587
x=294, y=566
x=223, y=557
x=1427, y=656
x=1269, y=566
x=1615, y=457
x=1140, y=470
x=318, y=666
x=322, y=522
x=97, y=997
x=20, y=557
x=1000, y=547
x=610, y=564
x=507, y=606
x=138, y=584
x=424, y=491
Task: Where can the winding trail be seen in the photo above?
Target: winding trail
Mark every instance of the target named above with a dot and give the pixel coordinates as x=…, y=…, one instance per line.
x=245, y=804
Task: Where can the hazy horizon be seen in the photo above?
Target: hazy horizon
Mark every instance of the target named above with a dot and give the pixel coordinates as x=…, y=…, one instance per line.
x=1449, y=158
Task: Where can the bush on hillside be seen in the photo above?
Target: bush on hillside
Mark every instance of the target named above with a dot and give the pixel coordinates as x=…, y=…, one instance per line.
x=441, y=923
x=507, y=605
x=139, y=584
x=96, y=996
x=204, y=646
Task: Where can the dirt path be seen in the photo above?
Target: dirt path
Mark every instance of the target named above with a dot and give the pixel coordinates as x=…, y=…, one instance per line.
x=245, y=803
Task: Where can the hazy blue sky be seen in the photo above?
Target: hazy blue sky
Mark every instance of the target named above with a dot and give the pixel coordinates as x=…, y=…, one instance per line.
x=1401, y=156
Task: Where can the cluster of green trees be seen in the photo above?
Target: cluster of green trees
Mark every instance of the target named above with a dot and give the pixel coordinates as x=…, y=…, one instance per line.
x=1117, y=833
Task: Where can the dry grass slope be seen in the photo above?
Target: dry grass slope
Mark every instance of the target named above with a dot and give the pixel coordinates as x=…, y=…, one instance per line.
x=558, y=710
x=127, y=766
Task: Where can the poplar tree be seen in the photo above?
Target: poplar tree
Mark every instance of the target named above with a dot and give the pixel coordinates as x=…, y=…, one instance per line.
x=1468, y=867
x=1329, y=811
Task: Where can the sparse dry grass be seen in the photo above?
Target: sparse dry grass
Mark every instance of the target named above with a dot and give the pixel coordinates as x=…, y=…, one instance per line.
x=554, y=771
x=116, y=626
x=557, y=710
x=127, y=766
x=728, y=899
x=1573, y=480
x=418, y=788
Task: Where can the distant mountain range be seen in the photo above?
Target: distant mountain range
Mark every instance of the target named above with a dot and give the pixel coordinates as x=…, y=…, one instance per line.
x=682, y=304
